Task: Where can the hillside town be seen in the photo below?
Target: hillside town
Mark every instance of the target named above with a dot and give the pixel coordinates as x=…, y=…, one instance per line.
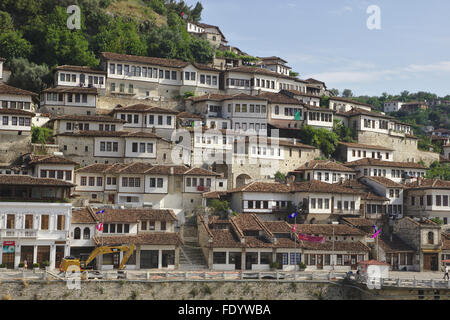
x=203, y=167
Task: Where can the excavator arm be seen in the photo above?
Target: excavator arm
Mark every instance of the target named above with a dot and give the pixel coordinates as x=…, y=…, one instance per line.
x=105, y=250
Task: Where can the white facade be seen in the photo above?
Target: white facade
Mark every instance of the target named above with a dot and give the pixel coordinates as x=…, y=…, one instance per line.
x=15, y=122
x=80, y=79
x=354, y=153
x=35, y=225
x=392, y=106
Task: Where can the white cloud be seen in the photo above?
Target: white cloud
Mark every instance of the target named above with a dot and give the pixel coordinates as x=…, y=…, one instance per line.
x=341, y=10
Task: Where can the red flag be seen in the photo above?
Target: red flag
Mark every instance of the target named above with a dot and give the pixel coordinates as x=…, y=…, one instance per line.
x=100, y=226
x=294, y=228
x=308, y=238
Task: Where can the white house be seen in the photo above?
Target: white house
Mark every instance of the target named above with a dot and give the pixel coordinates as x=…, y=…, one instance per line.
x=343, y=104
x=80, y=76
x=34, y=220
x=349, y=152
x=391, y=190
x=392, y=106
x=323, y=170
x=69, y=100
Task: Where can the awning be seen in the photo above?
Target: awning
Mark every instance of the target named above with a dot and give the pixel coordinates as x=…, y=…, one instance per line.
x=432, y=251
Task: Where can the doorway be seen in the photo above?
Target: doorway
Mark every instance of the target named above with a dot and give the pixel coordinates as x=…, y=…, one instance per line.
x=430, y=262
x=353, y=262
x=319, y=262
x=251, y=258
x=59, y=255
x=26, y=253
x=149, y=259
x=236, y=259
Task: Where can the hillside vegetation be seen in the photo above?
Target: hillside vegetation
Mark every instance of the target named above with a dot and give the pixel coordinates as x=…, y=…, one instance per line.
x=37, y=33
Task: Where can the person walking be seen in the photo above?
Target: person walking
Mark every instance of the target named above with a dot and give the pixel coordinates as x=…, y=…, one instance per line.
x=446, y=269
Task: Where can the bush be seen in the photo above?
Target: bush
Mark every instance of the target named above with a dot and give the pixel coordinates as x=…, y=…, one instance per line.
x=2, y=265
x=301, y=265
x=21, y=265
x=35, y=265
x=274, y=265
x=45, y=264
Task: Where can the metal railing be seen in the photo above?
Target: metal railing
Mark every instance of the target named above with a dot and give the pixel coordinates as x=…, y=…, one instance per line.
x=403, y=283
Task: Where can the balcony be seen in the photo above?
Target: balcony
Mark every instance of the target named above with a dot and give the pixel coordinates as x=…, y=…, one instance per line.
x=203, y=189
x=18, y=233
x=347, y=212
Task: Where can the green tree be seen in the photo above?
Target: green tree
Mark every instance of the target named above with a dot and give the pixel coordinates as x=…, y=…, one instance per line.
x=437, y=220
x=344, y=133
x=12, y=45
x=321, y=138
x=120, y=37
x=347, y=93
x=334, y=92
x=201, y=50
x=280, y=177
x=40, y=134
x=196, y=13
x=438, y=171
x=219, y=208
x=28, y=75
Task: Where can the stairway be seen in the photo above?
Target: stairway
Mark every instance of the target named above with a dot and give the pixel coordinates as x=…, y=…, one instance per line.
x=191, y=257
x=191, y=254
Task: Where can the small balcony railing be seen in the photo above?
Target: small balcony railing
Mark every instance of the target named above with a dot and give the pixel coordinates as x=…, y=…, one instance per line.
x=18, y=233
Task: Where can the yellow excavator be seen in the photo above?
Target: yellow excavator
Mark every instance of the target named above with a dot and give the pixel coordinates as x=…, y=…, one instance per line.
x=74, y=265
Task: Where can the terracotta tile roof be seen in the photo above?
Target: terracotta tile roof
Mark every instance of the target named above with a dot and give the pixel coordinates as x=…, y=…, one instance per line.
x=93, y=118
x=272, y=58
x=172, y=63
x=133, y=215
x=83, y=215
x=358, y=112
x=6, y=89
x=80, y=69
x=350, y=101
x=135, y=168
x=247, y=222
x=382, y=163
x=223, y=97
x=320, y=187
x=24, y=180
x=299, y=93
x=34, y=159
x=166, y=170
x=324, y=165
x=258, y=70
x=278, y=226
x=327, y=229
x=384, y=182
x=279, y=98
x=200, y=172
x=214, y=194
x=94, y=168
x=285, y=243
x=358, y=222
x=364, y=146
x=66, y=89
x=144, y=108
x=154, y=238
x=338, y=246
x=289, y=143
x=395, y=245
x=429, y=184
x=257, y=242
x=370, y=196
x=187, y=115
x=224, y=238
x=318, y=108
x=205, y=67
x=18, y=112
x=425, y=223
x=114, y=134
x=272, y=187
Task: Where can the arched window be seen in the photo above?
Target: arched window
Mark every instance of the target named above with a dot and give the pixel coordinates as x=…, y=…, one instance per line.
x=86, y=233
x=277, y=110
x=430, y=237
x=77, y=233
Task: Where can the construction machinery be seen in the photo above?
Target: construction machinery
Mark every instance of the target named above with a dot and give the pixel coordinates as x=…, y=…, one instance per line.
x=71, y=264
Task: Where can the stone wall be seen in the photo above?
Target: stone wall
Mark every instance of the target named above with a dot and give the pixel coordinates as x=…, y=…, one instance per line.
x=405, y=149
x=106, y=103
x=13, y=145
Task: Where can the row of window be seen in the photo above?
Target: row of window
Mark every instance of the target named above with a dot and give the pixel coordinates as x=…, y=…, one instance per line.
x=289, y=111
x=142, y=147
x=264, y=204
x=336, y=176
x=440, y=200
x=394, y=193
x=71, y=97
x=151, y=225
x=109, y=146
x=341, y=259
x=60, y=222
x=16, y=105
x=253, y=108
x=67, y=77
x=375, y=155
x=212, y=139
x=346, y=205
x=21, y=121
x=130, y=118
x=195, y=182
x=116, y=228
x=251, y=126
x=57, y=174
x=320, y=116
x=266, y=151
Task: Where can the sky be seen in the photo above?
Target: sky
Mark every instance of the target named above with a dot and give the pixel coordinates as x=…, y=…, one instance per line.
x=329, y=40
